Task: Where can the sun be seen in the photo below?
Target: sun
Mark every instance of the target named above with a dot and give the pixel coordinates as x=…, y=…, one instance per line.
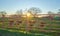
x=28, y=14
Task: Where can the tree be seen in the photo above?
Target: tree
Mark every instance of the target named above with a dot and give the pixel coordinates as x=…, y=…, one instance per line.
x=19, y=12
x=50, y=15
x=3, y=13
x=34, y=11
x=19, y=15
x=58, y=12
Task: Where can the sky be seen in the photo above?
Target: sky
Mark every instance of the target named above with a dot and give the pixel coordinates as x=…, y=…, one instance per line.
x=11, y=6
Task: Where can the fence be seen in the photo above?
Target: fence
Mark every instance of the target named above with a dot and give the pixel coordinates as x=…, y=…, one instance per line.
x=46, y=24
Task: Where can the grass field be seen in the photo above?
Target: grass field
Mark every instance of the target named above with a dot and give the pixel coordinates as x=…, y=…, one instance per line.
x=10, y=32
x=52, y=28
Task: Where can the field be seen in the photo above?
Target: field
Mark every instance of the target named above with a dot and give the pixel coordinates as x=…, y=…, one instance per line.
x=39, y=27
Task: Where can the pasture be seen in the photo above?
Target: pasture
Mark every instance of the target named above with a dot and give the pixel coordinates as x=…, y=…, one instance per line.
x=30, y=27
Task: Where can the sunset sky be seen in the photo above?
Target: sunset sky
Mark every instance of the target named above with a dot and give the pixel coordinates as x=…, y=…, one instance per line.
x=11, y=6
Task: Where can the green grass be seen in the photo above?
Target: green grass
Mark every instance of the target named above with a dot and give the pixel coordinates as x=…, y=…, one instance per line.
x=17, y=32
x=10, y=33
x=21, y=32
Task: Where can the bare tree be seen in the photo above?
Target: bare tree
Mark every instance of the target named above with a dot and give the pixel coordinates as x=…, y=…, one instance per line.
x=3, y=13
x=19, y=12
x=34, y=11
x=50, y=12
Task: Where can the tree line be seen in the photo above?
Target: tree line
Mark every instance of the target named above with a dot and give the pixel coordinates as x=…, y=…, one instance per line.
x=33, y=10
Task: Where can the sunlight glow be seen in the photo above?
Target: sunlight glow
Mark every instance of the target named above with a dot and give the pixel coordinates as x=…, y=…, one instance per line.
x=28, y=15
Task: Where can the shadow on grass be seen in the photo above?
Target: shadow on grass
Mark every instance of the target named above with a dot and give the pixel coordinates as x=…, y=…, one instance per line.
x=8, y=33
